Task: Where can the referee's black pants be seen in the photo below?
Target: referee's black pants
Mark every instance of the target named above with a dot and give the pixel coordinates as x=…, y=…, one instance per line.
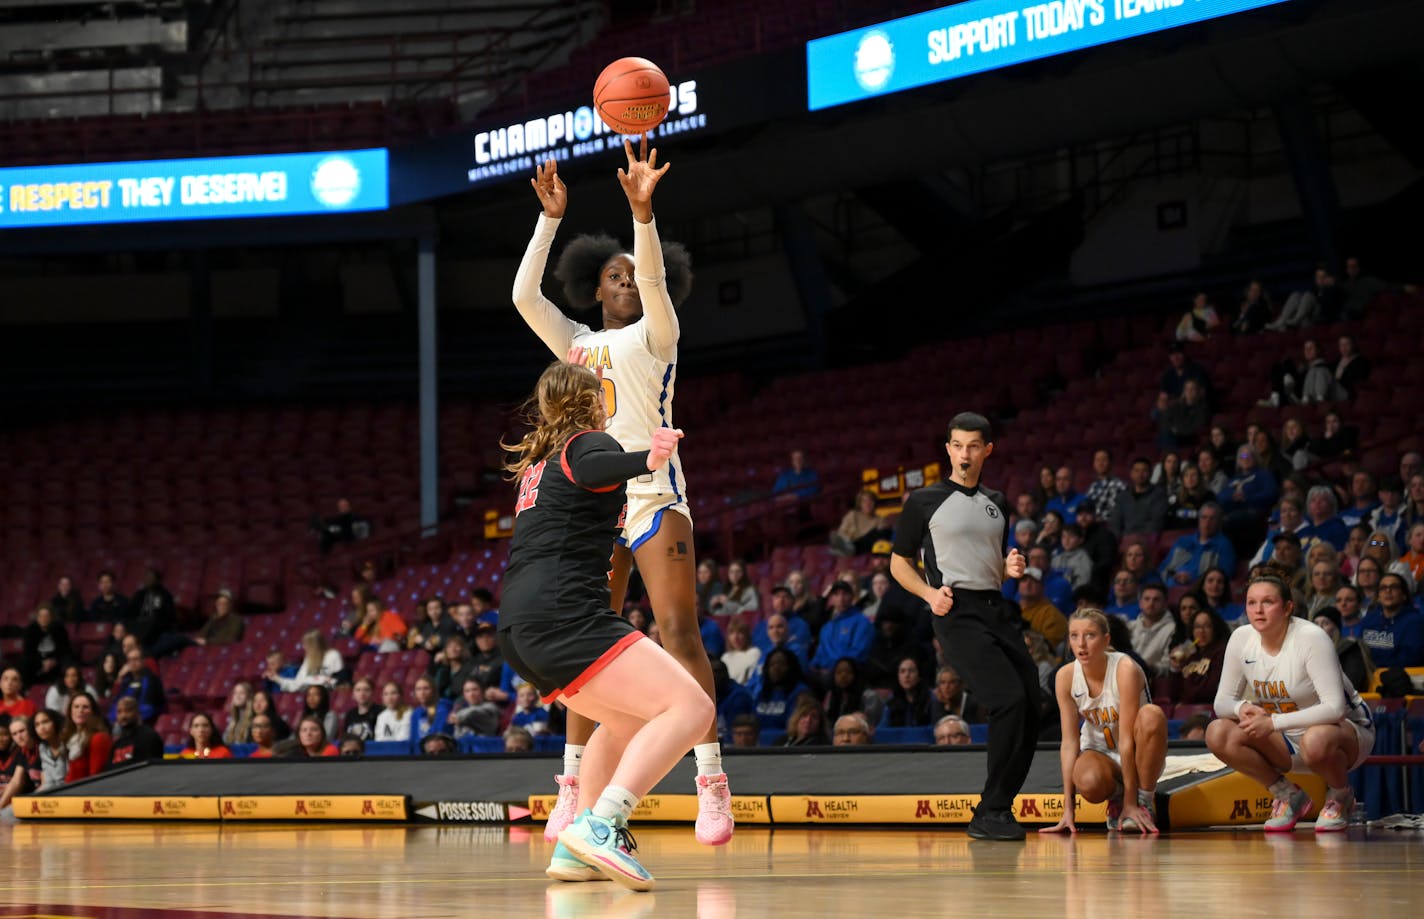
x=981, y=639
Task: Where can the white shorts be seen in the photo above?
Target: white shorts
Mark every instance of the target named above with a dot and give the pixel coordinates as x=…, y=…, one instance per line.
x=1113, y=755
x=1365, y=736
x=643, y=517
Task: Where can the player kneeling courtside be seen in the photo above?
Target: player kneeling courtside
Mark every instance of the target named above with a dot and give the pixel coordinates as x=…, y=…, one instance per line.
x=1285, y=704
x=1118, y=754
x=556, y=630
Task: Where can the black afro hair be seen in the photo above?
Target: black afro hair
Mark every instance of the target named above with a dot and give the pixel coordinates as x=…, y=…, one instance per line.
x=584, y=257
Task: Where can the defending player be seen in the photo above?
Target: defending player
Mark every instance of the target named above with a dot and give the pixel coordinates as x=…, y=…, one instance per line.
x=636, y=351
x=1284, y=704
x=556, y=630
x=1121, y=749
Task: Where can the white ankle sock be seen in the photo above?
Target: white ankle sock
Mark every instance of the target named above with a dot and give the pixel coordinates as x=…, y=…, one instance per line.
x=615, y=804
x=709, y=758
x=1281, y=787
x=573, y=756
x=1340, y=794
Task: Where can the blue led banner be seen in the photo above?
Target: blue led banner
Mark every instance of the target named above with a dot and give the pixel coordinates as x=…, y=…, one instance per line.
x=195, y=189
x=982, y=35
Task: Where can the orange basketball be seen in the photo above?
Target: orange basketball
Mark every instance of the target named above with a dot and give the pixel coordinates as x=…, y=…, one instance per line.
x=631, y=95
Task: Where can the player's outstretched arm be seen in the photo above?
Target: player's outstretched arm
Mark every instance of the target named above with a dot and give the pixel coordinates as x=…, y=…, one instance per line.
x=554, y=329
x=641, y=177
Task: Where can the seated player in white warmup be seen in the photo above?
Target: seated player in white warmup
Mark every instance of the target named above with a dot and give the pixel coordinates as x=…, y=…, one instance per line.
x=1284, y=704
x=556, y=630
x=1119, y=753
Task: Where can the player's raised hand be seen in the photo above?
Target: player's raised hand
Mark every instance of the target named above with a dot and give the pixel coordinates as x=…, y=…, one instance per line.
x=640, y=178
x=550, y=189
x=579, y=355
x=1015, y=564
x=664, y=442
x=942, y=601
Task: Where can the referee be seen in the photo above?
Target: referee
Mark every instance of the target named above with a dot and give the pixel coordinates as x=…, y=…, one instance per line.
x=962, y=530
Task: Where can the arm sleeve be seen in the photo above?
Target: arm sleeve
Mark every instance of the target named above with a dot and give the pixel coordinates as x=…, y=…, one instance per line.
x=595, y=461
x=659, y=317
x=909, y=530
x=1228, y=691
x=554, y=329
x=1323, y=668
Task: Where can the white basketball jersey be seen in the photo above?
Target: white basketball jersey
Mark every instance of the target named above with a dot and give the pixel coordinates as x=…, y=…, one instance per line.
x=638, y=377
x=1283, y=685
x=1101, y=713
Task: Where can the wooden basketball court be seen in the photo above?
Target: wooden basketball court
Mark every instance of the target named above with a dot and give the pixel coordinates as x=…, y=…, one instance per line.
x=168, y=871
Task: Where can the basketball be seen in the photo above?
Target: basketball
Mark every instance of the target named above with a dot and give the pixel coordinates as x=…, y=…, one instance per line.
x=631, y=95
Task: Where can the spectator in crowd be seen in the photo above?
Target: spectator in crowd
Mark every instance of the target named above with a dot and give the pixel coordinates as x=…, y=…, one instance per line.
x=393, y=723
x=239, y=714
x=438, y=744
x=806, y=727
x=47, y=726
x=321, y=665
x=741, y=657
x=488, y=663
x=352, y=747
x=430, y=712
x=851, y=730
x=342, y=528
x=1254, y=311
x=317, y=704
x=1350, y=601
x=798, y=483
x=1249, y=494
x=1357, y=289
x=450, y=674
x=1124, y=597
x=109, y=605
x=1152, y=631
x=379, y=629
x=1307, y=307
x=262, y=708
x=70, y=682
x=1143, y=507
x=361, y=717
x=880, y=587
x=1214, y=588
x=1168, y=471
x=1100, y=544
x=1324, y=585
x=1414, y=558
x=223, y=627
x=1213, y=476
x=474, y=714
x=1192, y=493
x=952, y=731
x=431, y=627
x=1354, y=659
x=1044, y=491
x=1268, y=457
x=1050, y=533
x=14, y=769
x=1026, y=507
x=1306, y=380
x=1388, y=515
x=746, y=731
x=356, y=605
x=1364, y=499
x=1024, y=534
x=1106, y=487
x=152, y=612
x=1291, y=520
x=738, y=596
x=264, y=737
x=1193, y=553
x=1065, y=500
x=86, y=738
x=483, y=603
x=311, y=739
x=518, y=740
x=1380, y=547
x=1289, y=558
x=1410, y=465
x=1200, y=321
x=860, y=527
x=1073, y=562
x=893, y=640
x=1367, y=577
x=1180, y=369
x=1043, y=658
x=1393, y=630
x=1352, y=369
x=1035, y=610
x=846, y=634
x=1195, y=671
x=803, y=602
x=849, y=693
x=909, y=702
x=734, y=701
x=1182, y=421
x=45, y=646
x=67, y=603
x=204, y=742
x=708, y=585
x=1056, y=588
x=1354, y=550
x=463, y=622
x=1336, y=440
x=138, y=680
x=1295, y=444
x=777, y=688
x=1323, y=521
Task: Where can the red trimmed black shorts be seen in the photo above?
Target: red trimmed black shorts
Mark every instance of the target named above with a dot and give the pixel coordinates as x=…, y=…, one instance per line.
x=560, y=655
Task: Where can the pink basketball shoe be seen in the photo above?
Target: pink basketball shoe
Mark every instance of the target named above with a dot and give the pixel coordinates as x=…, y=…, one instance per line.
x=714, y=810
x=565, y=809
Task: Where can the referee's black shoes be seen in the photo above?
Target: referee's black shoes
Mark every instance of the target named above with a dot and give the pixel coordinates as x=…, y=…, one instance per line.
x=994, y=824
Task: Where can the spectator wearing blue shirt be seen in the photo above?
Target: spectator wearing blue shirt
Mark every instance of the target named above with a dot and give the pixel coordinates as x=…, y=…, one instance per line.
x=430, y=712
x=783, y=628
x=799, y=483
x=1322, y=521
x=1392, y=630
x=778, y=686
x=1364, y=499
x=1194, y=553
x=733, y=700
x=529, y=714
x=846, y=634
x=713, y=640
x=1065, y=500
x=1291, y=521
x=1251, y=491
x=1056, y=589
x=1350, y=601
x=1124, y=597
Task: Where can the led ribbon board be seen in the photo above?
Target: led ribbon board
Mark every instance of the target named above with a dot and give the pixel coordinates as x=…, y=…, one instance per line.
x=982, y=35
x=278, y=185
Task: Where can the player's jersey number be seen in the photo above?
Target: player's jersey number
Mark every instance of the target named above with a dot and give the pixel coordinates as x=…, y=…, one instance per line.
x=610, y=398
